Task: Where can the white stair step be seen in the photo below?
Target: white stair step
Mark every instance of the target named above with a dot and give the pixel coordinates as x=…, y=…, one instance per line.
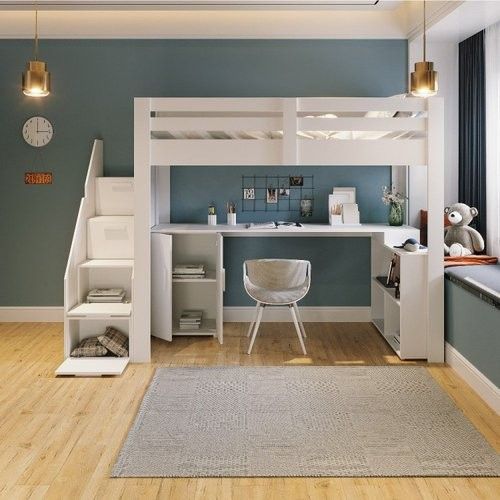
x=107, y=263
x=92, y=367
x=101, y=310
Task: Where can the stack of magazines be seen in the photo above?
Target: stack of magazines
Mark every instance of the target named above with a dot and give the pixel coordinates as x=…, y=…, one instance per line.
x=106, y=295
x=185, y=271
x=190, y=319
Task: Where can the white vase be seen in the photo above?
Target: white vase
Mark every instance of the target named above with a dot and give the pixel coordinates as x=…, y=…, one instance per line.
x=231, y=219
x=212, y=220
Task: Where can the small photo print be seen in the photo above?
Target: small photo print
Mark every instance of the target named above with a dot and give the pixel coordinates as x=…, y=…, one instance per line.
x=306, y=208
x=272, y=195
x=284, y=192
x=296, y=181
x=249, y=193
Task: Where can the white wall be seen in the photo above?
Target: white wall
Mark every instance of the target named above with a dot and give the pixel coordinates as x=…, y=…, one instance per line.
x=445, y=58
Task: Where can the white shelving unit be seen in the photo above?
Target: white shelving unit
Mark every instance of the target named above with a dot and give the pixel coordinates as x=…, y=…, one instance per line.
x=108, y=203
x=401, y=321
x=202, y=294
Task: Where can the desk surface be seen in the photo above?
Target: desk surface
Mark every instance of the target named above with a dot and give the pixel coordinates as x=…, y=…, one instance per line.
x=305, y=230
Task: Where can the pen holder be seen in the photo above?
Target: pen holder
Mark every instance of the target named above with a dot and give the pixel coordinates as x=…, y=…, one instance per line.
x=335, y=220
x=212, y=220
x=231, y=219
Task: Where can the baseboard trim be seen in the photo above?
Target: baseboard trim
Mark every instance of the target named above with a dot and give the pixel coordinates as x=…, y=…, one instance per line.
x=31, y=314
x=481, y=384
x=309, y=314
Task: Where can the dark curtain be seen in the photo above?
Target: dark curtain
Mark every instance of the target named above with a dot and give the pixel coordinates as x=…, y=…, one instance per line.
x=472, y=130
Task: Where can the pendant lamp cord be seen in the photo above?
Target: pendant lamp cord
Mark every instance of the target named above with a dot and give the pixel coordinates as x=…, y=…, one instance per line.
x=425, y=41
x=36, y=32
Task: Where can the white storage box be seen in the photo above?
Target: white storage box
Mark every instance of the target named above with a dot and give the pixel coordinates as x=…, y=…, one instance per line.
x=110, y=237
x=114, y=196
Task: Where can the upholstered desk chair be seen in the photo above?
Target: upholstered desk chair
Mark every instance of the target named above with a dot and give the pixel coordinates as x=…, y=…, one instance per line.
x=277, y=282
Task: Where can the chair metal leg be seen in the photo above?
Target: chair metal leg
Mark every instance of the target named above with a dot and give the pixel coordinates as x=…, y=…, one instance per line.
x=256, y=327
x=254, y=318
x=302, y=329
x=297, y=328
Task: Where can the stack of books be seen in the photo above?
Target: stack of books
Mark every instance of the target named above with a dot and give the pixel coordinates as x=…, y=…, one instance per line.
x=185, y=271
x=106, y=295
x=190, y=319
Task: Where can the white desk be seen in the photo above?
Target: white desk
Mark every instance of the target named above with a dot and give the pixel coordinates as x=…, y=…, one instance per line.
x=399, y=320
x=392, y=234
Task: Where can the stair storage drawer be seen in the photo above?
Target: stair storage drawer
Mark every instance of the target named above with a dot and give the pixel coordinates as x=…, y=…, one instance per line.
x=114, y=195
x=110, y=237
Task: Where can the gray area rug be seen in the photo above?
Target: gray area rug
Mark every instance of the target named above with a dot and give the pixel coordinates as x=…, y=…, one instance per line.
x=301, y=421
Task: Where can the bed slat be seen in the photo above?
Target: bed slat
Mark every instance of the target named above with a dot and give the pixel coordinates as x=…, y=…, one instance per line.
x=349, y=152
x=358, y=104
x=215, y=105
x=201, y=123
x=363, y=124
x=216, y=152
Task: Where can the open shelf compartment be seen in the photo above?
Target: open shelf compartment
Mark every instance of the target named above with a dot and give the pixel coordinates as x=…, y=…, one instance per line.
x=77, y=330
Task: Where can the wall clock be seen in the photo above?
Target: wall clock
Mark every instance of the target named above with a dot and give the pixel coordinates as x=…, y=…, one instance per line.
x=37, y=131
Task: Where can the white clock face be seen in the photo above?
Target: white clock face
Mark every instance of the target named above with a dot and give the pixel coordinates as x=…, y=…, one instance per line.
x=37, y=131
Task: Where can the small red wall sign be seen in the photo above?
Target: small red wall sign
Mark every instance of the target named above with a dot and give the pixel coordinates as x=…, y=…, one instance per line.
x=38, y=177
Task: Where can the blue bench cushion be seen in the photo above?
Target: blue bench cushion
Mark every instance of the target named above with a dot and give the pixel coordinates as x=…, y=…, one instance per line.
x=483, y=281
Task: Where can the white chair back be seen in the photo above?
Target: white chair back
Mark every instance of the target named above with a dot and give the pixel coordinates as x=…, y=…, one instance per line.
x=277, y=274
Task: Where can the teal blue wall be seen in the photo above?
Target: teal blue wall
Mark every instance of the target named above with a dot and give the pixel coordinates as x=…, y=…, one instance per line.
x=472, y=327
x=340, y=266
x=94, y=82
x=193, y=188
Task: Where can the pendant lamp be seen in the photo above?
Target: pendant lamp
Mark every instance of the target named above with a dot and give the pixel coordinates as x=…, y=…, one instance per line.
x=36, y=78
x=424, y=80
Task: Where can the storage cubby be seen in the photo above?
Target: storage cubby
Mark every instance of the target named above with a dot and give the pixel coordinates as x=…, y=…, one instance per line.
x=200, y=296
x=196, y=249
x=400, y=320
x=105, y=274
x=92, y=327
x=76, y=330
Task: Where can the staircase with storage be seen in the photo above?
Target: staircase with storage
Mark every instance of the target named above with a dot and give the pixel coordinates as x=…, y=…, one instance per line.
x=101, y=256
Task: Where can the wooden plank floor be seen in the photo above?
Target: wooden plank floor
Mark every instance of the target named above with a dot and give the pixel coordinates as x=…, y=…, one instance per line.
x=59, y=437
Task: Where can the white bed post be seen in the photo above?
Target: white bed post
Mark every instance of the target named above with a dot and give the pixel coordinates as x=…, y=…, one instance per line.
x=141, y=343
x=290, y=140
x=435, y=207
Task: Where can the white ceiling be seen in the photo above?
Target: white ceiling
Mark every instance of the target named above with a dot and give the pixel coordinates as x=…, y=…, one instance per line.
x=469, y=18
x=243, y=18
x=197, y=4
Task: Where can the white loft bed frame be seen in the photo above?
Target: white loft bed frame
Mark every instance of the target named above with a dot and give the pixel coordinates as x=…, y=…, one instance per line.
x=411, y=134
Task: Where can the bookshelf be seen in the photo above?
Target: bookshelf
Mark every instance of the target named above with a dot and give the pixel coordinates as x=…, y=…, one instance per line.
x=400, y=320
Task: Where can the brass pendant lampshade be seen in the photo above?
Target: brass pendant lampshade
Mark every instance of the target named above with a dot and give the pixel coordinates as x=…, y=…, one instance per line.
x=36, y=78
x=424, y=80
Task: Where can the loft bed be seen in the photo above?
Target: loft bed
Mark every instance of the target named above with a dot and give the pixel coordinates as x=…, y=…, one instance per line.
x=396, y=131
